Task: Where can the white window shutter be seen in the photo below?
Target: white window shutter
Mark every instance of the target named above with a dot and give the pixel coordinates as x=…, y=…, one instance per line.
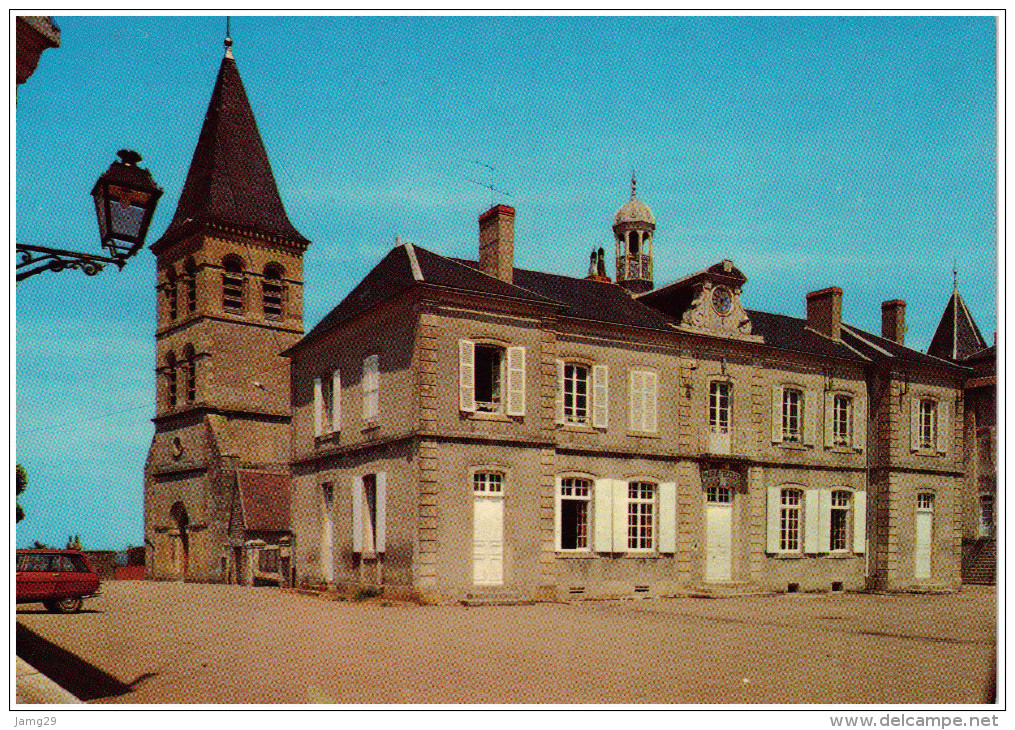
x=619, y=516
x=600, y=396
x=914, y=423
x=859, y=424
x=604, y=515
x=774, y=497
x=556, y=512
x=357, y=514
x=371, y=387
x=810, y=415
x=825, y=521
x=559, y=406
x=318, y=407
x=812, y=520
x=668, y=517
x=944, y=422
x=381, y=497
x=650, y=421
x=829, y=419
x=859, y=522
x=777, y=414
x=637, y=400
x=466, y=376
x=336, y=401
x=516, y=381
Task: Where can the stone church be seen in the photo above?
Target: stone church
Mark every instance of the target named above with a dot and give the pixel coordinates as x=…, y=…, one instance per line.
x=464, y=427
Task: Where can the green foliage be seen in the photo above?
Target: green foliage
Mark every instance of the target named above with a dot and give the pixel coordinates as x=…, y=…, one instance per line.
x=20, y=485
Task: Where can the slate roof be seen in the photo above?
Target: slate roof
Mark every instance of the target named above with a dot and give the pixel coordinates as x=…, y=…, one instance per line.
x=230, y=182
x=265, y=500
x=957, y=336
x=407, y=265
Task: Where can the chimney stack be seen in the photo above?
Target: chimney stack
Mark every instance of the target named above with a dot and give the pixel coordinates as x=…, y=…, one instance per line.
x=824, y=312
x=497, y=242
x=893, y=320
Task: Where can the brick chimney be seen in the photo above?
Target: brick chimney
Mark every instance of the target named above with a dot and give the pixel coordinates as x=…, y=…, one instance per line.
x=497, y=242
x=893, y=320
x=824, y=312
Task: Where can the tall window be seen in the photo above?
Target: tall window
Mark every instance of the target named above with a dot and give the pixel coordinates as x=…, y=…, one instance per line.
x=171, y=293
x=232, y=284
x=575, y=497
x=171, y=378
x=488, y=482
x=842, y=421
x=190, y=275
x=191, y=371
x=273, y=290
x=489, y=376
x=371, y=388
x=789, y=520
x=839, y=520
x=576, y=394
x=792, y=415
x=927, y=425
x=641, y=509
x=719, y=407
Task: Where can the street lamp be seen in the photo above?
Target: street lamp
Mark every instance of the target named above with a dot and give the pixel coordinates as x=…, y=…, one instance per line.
x=125, y=199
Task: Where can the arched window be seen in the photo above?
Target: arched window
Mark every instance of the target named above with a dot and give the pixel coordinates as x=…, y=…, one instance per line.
x=171, y=293
x=634, y=241
x=191, y=369
x=171, y=376
x=232, y=284
x=190, y=275
x=273, y=289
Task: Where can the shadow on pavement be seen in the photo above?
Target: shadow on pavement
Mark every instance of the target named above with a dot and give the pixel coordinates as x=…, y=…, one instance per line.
x=68, y=670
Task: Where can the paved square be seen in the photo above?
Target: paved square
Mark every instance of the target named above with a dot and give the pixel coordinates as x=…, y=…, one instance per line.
x=146, y=642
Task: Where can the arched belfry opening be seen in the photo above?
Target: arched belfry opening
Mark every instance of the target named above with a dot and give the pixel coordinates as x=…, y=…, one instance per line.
x=633, y=227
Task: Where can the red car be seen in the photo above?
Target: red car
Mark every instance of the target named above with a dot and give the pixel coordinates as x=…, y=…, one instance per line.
x=58, y=579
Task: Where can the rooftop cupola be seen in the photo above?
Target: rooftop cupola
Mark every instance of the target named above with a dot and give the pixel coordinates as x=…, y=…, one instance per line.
x=633, y=227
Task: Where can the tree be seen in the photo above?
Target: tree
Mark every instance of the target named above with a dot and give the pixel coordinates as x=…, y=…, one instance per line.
x=20, y=484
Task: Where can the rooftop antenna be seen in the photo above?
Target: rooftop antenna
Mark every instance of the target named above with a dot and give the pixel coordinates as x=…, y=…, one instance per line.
x=228, y=41
x=490, y=186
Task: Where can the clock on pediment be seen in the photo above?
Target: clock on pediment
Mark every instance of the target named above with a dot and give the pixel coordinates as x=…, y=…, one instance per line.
x=707, y=302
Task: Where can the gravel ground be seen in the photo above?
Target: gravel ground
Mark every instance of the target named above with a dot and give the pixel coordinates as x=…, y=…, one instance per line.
x=179, y=643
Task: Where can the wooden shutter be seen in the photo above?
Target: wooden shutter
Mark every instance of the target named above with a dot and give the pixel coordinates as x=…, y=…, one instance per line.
x=357, y=514
x=466, y=376
x=650, y=420
x=859, y=522
x=336, y=401
x=556, y=514
x=777, y=415
x=381, y=499
x=825, y=521
x=600, y=395
x=637, y=400
x=812, y=520
x=516, y=381
x=859, y=425
x=829, y=420
x=604, y=515
x=318, y=407
x=774, y=496
x=371, y=388
x=914, y=423
x=619, y=516
x=810, y=415
x=944, y=422
x=668, y=517
x=559, y=406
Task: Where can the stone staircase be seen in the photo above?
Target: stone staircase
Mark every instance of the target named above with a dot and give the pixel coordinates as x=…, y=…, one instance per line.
x=494, y=596
x=979, y=562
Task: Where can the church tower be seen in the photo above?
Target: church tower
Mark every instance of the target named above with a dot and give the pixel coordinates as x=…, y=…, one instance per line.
x=957, y=336
x=633, y=228
x=229, y=300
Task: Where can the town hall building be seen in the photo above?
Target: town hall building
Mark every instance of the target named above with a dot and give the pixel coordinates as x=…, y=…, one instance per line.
x=459, y=427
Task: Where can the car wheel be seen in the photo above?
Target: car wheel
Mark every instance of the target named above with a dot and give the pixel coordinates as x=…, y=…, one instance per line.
x=50, y=606
x=66, y=605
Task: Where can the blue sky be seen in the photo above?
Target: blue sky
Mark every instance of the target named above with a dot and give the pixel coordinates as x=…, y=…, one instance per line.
x=822, y=151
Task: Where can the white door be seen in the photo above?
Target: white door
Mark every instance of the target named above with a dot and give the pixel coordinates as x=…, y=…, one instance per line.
x=924, y=526
x=488, y=541
x=718, y=541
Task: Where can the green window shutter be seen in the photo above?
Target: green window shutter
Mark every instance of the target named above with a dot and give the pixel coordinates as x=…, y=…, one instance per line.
x=668, y=517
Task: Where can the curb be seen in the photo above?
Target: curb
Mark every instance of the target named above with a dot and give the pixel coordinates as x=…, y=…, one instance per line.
x=35, y=688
